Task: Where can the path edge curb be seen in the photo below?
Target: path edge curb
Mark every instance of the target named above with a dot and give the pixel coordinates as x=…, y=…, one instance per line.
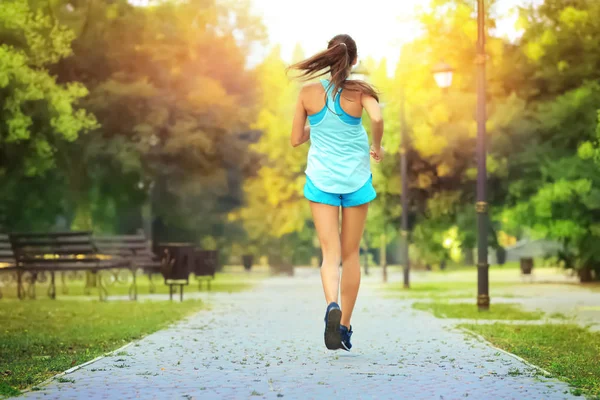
x=75, y=368
x=516, y=357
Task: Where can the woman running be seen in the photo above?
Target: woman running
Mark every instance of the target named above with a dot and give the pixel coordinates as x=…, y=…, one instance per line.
x=338, y=172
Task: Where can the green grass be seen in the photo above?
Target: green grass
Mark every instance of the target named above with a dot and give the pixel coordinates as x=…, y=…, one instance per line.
x=569, y=352
x=447, y=290
x=470, y=311
x=43, y=337
x=460, y=282
x=223, y=282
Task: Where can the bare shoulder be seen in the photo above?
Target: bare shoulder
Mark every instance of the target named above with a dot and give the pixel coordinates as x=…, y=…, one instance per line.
x=312, y=87
x=367, y=98
x=311, y=90
x=353, y=93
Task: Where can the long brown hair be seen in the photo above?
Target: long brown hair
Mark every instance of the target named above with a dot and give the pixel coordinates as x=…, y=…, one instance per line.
x=336, y=60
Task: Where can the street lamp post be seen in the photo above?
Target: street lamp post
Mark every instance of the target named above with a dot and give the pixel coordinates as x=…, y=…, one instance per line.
x=483, y=298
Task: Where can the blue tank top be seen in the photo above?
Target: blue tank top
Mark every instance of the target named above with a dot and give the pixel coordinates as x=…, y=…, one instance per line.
x=338, y=159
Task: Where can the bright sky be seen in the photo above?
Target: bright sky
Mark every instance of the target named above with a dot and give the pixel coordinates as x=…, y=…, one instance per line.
x=378, y=26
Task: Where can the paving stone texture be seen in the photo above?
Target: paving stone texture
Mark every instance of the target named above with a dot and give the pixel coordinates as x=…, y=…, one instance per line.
x=268, y=343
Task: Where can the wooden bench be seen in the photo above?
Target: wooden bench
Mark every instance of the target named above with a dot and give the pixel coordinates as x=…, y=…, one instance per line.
x=134, y=248
x=37, y=253
x=7, y=261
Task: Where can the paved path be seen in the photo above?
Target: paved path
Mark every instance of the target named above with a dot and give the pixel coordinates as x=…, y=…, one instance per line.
x=268, y=343
x=549, y=290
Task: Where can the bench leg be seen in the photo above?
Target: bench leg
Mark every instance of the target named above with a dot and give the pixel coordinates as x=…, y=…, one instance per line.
x=133, y=287
x=63, y=280
x=20, y=288
x=102, y=291
x=31, y=289
x=180, y=293
x=152, y=287
x=90, y=282
x=52, y=287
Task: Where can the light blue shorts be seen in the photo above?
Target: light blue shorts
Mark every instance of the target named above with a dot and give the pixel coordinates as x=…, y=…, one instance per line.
x=364, y=195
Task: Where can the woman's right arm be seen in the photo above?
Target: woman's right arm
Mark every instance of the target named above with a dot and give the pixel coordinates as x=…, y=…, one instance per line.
x=374, y=110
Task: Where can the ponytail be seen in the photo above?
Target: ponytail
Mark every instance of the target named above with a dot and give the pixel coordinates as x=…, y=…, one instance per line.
x=335, y=60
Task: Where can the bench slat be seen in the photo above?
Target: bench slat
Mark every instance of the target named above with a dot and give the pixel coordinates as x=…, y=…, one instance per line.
x=137, y=246
x=134, y=248
x=52, y=243
x=120, y=238
x=49, y=234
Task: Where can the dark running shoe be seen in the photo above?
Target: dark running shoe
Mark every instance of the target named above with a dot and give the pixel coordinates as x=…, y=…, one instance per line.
x=346, y=334
x=333, y=316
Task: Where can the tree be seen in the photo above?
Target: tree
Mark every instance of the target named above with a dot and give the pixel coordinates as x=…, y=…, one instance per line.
x=558, y=196
x=37, y=114
x=170, y=87
x=276, y=215
x=560, y=47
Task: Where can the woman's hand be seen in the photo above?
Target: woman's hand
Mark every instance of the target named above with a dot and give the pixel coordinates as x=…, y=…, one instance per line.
x=377, y=153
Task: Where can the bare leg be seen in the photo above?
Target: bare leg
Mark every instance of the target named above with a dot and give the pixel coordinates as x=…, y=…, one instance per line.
x=328, y=229
x=353, y=225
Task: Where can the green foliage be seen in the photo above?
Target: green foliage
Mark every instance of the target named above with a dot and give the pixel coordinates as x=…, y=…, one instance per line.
x=559, y=42
x=174, y=100
x=275, y=215
x=558, y=194
x=37, y=112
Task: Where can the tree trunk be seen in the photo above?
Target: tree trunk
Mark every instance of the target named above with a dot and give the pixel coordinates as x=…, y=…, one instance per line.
x=585, y=275
x=82, y=220
x=469, y=259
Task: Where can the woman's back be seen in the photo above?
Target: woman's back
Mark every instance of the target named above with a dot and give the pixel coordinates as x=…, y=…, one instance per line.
x=314, y=99
x=338, y=159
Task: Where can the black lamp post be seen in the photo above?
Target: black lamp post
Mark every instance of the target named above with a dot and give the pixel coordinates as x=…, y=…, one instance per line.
x=442, y=74
x=483, y=298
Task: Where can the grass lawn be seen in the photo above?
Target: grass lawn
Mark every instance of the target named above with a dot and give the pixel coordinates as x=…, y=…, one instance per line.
x=223, y=282
x=505, y=281
x=40, y=338
x=43, y=337
x=450, y=289
x=570, y=352
x=470, y=311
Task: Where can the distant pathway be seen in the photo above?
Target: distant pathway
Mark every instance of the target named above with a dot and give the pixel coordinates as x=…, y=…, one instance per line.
x=548, y=290
x=268, y=343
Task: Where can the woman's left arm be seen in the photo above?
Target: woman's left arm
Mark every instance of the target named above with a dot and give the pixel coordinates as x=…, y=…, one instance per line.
x=300, y=132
